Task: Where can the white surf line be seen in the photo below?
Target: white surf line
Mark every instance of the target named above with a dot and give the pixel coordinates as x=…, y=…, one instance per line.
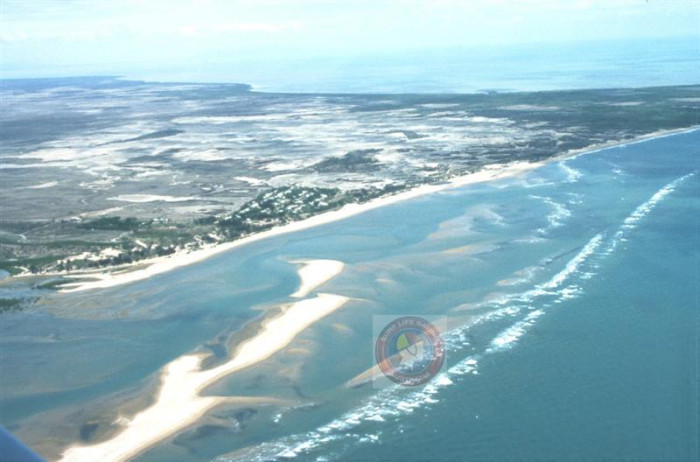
x=389, y=404
x=509, y=336
x=558, y=215
x=377, y=409
x=572, y=175
x=314, y=273
x=644, y=209
x=163, y=264
x=179, y=402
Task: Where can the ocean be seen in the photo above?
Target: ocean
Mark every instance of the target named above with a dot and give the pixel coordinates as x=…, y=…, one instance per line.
x=590, y=353
x=471, y=69
x=569, y=295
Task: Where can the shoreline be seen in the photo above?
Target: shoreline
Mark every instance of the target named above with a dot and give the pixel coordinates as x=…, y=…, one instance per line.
x=180, y=402
x=120, y=275
x=167, y=263
x=615, y=144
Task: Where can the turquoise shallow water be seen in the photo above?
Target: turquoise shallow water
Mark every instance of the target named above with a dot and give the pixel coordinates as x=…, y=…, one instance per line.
x=595, y=357
x=571, y=296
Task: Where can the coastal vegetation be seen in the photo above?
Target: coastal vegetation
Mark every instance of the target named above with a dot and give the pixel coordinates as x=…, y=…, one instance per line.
x=381, y=145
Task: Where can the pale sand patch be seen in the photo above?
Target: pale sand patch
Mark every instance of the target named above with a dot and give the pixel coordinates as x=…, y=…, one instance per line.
x=520, y=277
x=385, y=281
x=469, y=249
x=490, y=297
x=50, y=184
x=140, y=198
x=251, y=181
x=314, y=273
x=342, y=328
x=99, y=213
x=298, y=351
x=179, y=402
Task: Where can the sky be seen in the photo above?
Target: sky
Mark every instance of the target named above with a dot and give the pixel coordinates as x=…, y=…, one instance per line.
x=80, y=37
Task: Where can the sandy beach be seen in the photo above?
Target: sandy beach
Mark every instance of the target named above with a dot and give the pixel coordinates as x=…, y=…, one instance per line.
x=179, y=402
x=163, y=264
x=145, y=269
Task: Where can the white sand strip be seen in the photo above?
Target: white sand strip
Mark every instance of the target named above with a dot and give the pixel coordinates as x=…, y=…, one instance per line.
x=167, y=263
x=314, y=273
x=179, y=403
x=163, y=264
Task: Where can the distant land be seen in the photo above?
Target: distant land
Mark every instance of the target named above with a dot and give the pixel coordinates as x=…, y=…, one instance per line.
x=100, y=172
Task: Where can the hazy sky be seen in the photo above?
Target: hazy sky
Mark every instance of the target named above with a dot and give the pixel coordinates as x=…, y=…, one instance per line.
x=64, y=37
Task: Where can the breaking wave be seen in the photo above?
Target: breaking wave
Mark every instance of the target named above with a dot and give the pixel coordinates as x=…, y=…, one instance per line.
x=366, y=423
x=567, y=283
x=572, y=175
x=643, y=210
x=558, y=215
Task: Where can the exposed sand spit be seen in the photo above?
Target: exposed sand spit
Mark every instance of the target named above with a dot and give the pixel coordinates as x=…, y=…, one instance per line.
x=314, y=273
x=179, y=401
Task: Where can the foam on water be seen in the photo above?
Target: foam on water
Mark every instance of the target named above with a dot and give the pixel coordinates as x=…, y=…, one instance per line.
x=643, y=210
x=554, y=291
x=572, y=175
x=510, y=336
x=553, y=288
x=389, y=405
x=558, y=215
x=385, y=407
x=573, y=265
x=507, y=338
x=575, y=198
